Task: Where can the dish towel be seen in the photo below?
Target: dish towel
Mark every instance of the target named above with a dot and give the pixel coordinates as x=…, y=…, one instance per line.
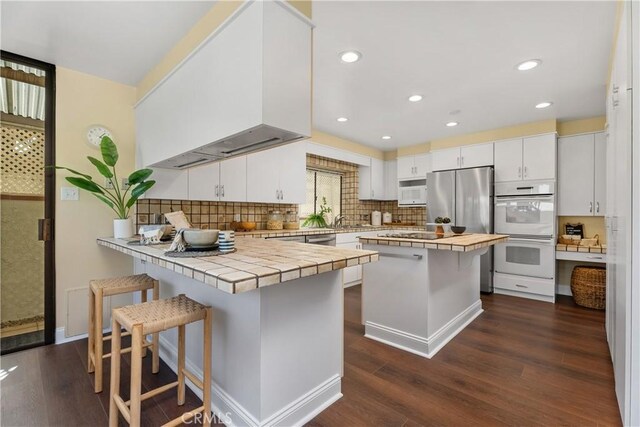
x=178, y=244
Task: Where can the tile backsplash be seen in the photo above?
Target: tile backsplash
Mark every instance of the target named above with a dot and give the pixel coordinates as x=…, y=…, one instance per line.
x=213, y=215
x=219, y=215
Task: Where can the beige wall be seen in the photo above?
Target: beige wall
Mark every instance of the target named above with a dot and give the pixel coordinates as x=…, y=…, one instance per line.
x=83, y=100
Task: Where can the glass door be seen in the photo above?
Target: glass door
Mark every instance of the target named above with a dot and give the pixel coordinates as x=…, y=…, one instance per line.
x=26, y=203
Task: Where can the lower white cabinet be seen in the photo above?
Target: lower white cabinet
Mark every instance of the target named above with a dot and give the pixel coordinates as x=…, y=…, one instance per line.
x=351, y=275
x=170, y=185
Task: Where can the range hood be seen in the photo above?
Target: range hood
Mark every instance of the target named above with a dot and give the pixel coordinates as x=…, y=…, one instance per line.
x=258, y=138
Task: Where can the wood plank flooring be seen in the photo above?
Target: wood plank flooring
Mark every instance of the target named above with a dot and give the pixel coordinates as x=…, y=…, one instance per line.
x=521, y=362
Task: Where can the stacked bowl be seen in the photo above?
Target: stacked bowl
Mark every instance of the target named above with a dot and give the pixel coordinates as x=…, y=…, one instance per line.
x=226, y=240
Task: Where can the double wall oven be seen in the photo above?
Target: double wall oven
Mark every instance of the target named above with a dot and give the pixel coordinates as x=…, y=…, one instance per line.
x=526, y=263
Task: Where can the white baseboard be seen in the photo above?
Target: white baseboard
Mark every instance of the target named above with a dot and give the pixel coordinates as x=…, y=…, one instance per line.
x=425, y=347
x=297, y=413
x=60, y=338
x=545, y=298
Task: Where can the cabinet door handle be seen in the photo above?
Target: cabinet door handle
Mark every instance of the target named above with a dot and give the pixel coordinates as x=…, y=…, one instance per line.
x=519, y=171
x=222, y=191
x=461, y=160
x=521, y=286
x=525, y=171
x=590, y=207
x=217, y=190
x=598, y=207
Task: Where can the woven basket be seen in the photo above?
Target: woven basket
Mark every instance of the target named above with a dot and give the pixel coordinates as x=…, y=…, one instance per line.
x=588, y=286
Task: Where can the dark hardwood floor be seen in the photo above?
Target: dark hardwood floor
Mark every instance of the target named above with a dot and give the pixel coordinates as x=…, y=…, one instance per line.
x=520, y=363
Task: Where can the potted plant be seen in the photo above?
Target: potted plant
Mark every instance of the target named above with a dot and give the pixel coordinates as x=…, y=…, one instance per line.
x=119, y=200
x=317, y=220
x=439, y=227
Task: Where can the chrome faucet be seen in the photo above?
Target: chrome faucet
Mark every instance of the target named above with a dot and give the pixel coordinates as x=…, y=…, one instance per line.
x=337, y=222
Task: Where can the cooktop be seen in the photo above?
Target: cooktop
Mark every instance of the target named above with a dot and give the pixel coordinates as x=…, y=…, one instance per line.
x=415, y=235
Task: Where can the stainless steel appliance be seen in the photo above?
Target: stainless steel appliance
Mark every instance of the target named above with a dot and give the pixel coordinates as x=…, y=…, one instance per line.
x=465, y=196
x=314, y=239
x=526, y=212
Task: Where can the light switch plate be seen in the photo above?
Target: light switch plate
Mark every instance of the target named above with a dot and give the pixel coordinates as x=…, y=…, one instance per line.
x=69, y=193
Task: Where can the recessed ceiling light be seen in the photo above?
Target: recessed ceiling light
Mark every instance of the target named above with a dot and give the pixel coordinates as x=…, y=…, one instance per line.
x=452, y=124
x=386, y=137
x=350, y=56
x=415, y=98
x=528, y=65
x=342, y=119
x=544, y=105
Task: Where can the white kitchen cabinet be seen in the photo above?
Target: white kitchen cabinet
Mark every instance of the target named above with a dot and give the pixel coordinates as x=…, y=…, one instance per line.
x=217, y=93
x=351, y=275
x=581, y=175
x=277, y=175
x=466, y=156
x=529, y=158
x=390, y=180
x=445, y=159
x=170, y=185
x=371, y=180
x=539, y=157
x=416, y=166
x=221, y=181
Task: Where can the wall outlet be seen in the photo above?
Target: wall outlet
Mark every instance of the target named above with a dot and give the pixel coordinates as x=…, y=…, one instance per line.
x=68, y=193
x=107, y=184
x=125, y=183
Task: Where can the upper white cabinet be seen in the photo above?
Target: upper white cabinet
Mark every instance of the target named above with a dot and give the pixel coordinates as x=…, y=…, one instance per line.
x=529, y=158
x=371, y=180
x=390, y=180
x=467, y=156
x=224, y=181
x=277, y=175
x=411, y=167
x=170, y=185
x=251, y=80
x=581, y=175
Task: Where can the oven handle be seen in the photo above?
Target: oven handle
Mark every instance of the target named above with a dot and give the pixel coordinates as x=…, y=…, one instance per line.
x=526, y=197
x=549, y=241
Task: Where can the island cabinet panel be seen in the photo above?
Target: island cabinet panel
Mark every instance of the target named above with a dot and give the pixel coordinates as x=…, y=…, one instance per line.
x=255, y=70
x=277, y=175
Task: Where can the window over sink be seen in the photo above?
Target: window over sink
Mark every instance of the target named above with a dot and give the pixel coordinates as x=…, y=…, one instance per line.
x=322, y=185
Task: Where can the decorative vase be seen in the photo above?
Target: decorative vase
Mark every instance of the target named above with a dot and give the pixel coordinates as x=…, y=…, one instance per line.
x=439, y=230
x=122, y=228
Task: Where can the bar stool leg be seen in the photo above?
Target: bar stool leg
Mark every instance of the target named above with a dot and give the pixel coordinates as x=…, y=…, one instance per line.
x=137, y=340
x=181, y=357
x=98, y=339
x=143, y=299
x=115, y=374
x=206, y=380
x=155, y=337
x=92, y=341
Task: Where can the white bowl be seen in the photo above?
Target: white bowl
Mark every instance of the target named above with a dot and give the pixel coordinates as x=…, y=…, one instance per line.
x=198, y=237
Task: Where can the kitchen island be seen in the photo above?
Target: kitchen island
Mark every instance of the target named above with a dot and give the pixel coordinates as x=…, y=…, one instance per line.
x=277, y=324
x=424, y=290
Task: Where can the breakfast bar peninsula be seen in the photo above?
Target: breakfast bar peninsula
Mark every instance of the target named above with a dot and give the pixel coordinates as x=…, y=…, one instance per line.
x=425, y=288
x=277, y=324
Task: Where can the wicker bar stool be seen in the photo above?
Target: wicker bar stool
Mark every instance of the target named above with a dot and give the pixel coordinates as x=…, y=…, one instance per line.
x=149, y=318
x=98, y=289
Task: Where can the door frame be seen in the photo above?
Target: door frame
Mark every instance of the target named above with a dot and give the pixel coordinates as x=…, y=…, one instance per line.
x=49, y=191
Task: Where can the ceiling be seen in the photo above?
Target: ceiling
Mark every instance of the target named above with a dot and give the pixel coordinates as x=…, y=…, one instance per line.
x=116, y=40
x=458, y=56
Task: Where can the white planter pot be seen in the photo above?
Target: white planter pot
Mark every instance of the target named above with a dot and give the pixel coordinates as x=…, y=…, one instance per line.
x=123, y=228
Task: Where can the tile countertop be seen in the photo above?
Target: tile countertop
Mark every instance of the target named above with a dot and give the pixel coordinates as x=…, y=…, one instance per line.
x=309, y=231
x=598, y=249
x=256, y=263
x=456, y=243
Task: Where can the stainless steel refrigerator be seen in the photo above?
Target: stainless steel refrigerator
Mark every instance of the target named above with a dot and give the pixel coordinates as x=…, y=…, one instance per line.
x=465, y=196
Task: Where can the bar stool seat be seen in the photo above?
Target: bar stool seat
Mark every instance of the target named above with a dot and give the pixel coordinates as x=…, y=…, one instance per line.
x=100, y=288
x=150, y=318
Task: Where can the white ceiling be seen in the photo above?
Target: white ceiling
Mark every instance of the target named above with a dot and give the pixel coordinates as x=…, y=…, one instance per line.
x=459, y=56
x=116, y=40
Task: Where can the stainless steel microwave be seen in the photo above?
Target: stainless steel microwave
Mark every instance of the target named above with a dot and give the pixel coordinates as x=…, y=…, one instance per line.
x=412, y=192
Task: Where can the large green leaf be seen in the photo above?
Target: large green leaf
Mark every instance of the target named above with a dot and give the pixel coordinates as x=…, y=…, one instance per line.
x=140, y=175
x=104, y=199
x=141, y=188
x=72, y=171
x=109, y=151
x=84, y=184
x=102, y=168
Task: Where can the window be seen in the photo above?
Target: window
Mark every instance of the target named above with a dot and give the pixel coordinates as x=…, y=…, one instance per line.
x=322, y=184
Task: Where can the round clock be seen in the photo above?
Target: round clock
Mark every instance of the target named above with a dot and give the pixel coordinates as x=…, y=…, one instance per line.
x=95, y=134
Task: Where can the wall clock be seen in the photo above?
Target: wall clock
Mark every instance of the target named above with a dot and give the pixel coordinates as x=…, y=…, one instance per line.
x=95, y=134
